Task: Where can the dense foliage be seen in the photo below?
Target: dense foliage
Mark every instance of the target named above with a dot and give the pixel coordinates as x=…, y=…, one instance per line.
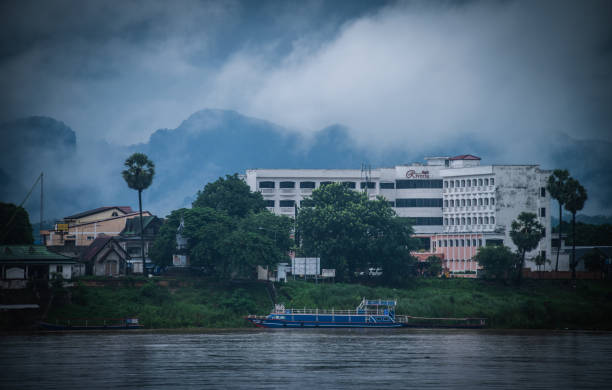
x=587, y=234
x=227, y=238
x=498, y=262
x=232, y=195
x=15, y=228
x=351, y=233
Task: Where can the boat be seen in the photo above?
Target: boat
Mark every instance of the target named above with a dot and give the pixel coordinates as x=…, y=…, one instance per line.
x=379, y=313
x=93, y=324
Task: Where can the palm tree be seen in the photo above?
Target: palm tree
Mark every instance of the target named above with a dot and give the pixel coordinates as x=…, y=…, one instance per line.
x=575, y=197
x=557, y=187
x=526, y=234
x=139, y=176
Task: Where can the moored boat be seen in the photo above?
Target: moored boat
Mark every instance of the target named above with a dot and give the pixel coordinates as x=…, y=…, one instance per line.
x=379, y=313
x=93, y=324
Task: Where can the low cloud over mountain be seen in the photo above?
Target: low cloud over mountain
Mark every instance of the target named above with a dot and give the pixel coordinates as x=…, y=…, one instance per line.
x=212, y=143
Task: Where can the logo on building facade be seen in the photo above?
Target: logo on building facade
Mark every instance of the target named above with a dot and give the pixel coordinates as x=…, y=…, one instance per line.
x=412, y=174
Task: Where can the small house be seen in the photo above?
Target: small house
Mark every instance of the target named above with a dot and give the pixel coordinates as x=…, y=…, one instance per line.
x=20, y=264
x=105, y=257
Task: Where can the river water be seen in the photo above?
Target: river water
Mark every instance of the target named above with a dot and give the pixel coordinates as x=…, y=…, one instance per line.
x=325, y=359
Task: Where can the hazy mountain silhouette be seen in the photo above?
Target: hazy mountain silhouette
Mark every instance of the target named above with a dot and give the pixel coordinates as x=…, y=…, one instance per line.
x=213, y=143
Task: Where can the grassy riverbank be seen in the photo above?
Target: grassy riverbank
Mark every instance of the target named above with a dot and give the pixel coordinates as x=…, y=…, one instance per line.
x=536, y=304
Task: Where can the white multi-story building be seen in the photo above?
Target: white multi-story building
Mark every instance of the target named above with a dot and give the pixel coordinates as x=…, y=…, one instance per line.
x=455, y=204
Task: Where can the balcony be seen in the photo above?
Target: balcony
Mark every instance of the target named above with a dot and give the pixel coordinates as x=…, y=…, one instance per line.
x=266, y=190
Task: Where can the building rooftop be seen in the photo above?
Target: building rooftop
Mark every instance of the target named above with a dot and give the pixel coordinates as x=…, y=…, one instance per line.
x=123, y=209
x=465, y=157
x=31, y=253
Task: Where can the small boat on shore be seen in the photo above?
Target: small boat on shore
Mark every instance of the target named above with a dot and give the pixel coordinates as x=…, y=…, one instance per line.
x=93, y=324
x=378, y=313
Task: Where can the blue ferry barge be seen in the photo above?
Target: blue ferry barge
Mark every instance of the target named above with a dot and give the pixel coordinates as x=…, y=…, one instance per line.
x=369, y=314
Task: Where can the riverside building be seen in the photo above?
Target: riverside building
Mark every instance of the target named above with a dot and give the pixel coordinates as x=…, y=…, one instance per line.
x=455, y=204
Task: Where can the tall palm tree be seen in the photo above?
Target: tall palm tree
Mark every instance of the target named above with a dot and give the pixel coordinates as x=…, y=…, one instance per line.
x=557, y=183
x=526, y=234
x=139, y=176
x=575, y=197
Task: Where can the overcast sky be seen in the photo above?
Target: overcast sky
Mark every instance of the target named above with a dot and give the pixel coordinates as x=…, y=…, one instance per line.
x=418, y=73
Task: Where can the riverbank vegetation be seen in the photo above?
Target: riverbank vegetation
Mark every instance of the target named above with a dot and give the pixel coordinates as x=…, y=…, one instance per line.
x=198, y=302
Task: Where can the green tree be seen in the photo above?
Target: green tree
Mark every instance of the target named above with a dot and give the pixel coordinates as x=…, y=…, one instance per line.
x=541, y=261
x=350, y=232
x=576, y=196
x=526, y=234
x=232, y=195
x=498, y=262
x=433, y=266
x=557, y=187
x=139, y=176
x=165, y=244
x=19, y=230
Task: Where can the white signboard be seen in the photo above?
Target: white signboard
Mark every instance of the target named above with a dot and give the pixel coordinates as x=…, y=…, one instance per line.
x=328, y=273
x=180, y=260
x=306, y=266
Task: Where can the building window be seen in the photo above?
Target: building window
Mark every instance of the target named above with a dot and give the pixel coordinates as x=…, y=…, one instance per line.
x=492, y=201
x=445, y=243
x=474, y=183
x=462, y=202
x=486, y=220
x=369, y=184
x=452, y=183
x=543, y=254
x=90, y=238
x=480, y=182
x=462, y=243
x=474, y=221
x=469, y=202
x=59, y=268
x=462, y=183
x=452, y=221
x=307, y=184
x=463, y=220
x=286, y=184
x=114, y=214
x=324, y=183
x=480, y=242
x=457, y=183
x=404, y=184
x=486, y=182
x=266, y=184
x=287, y=203
x=387, y=186
x=479, y=201
x=349, y=184
x=445, y=221
x=269, y=203
x=542, y=192
x=456, y=242
x=467, y=242
x=446, y=203
x=486, y=201
x=469, y=221
x=419, y=202
x=456, y=221
x=426, y=221
x=492, y=220
x=445, y=184
x=480, y=220
x=469, y=183
x=450, y=243
x=492, y=182
x=543, y=212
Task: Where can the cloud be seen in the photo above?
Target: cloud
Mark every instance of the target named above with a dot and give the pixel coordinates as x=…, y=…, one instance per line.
x=420, y=74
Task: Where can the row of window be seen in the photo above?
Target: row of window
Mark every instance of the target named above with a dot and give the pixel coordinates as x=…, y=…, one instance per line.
x=462, y=242
x=469, y=221
x=419, y=202
x=401, y=184
x=425, y=221
x=469, y=202
x=468, y=183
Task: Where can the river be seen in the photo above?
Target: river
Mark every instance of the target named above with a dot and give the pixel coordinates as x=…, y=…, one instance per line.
x=323, y=359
